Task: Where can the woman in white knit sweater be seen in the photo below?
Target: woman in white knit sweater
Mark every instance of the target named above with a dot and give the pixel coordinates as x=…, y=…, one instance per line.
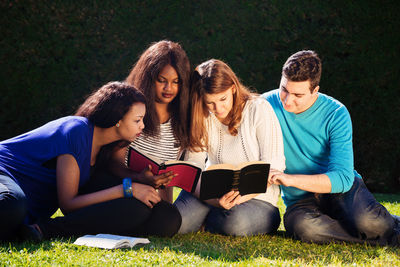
x=231, y=125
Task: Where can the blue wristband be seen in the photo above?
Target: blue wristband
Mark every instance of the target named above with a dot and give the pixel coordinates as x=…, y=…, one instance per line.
x=127, y=185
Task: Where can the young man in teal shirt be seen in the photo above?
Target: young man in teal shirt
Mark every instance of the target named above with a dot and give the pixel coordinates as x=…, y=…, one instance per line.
x=326, y=198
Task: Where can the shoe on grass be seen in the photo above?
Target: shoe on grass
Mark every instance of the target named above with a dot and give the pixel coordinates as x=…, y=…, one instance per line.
x=30, y=233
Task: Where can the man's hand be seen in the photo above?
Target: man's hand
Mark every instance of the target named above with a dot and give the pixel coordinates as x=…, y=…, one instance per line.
x=145, y=193
x=279, y=178
x=157, y=181
x=229, y=200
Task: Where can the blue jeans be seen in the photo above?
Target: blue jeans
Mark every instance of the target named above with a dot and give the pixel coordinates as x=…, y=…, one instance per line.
x=250, y=218
x=13, y=207
x=354, y=216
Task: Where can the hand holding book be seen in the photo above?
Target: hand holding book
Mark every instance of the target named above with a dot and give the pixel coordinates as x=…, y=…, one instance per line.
x=216, y=181
x=229, y=200
x=157, y=181
x=182, y=174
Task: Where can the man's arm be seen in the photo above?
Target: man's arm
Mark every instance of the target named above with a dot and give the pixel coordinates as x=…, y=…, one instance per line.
x=317, y=183
x=339, y=176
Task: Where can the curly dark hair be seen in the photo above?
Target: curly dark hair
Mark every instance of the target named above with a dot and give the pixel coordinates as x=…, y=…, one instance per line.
x=108, y=105
x=144, y=75
x=303, y=66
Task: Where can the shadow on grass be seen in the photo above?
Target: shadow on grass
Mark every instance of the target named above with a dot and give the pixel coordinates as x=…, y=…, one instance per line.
x=210, y=247
x=272, y=247
x=228, y=249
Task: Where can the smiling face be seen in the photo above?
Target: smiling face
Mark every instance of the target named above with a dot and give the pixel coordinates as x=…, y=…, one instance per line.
x=296, y=97
x=131, y=125
x=220, y=103
x=167, y=85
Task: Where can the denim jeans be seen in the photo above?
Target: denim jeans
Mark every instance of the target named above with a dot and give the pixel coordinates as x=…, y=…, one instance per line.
x=250, y=218
x=354, y=216
x=13, y=208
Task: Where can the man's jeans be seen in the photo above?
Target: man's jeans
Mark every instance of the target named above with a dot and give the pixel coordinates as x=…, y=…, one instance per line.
x=354, y=216
x=13, y=208
x=250, y=218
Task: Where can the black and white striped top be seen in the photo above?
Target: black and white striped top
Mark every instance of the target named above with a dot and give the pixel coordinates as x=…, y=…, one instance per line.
x=164, y=147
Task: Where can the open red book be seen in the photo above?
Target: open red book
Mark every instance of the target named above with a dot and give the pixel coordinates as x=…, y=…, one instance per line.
x=188, y=174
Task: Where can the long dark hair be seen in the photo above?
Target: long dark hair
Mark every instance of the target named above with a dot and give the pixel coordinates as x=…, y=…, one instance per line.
x=144, y=75
x=109, y=104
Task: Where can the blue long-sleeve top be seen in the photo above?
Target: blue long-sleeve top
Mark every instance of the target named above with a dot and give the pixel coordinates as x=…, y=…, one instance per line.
x=30, y=160
x=316, y=141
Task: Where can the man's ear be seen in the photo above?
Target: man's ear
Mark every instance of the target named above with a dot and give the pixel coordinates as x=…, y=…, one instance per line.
x=316, y=89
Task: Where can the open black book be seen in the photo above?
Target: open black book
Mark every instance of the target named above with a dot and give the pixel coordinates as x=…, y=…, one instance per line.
x=187, y=173
x=247, y=178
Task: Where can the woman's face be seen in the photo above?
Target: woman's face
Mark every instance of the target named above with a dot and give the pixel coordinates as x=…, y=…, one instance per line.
x=131, y=125
x=220, y=104
x=167, y=85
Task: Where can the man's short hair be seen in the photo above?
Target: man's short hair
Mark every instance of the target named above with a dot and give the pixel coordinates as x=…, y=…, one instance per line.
x=303, y=66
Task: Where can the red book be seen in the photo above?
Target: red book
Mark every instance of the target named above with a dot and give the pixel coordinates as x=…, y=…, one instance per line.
x=188, y=173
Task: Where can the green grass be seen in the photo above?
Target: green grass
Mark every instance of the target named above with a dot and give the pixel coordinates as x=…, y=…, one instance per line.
x=207, y=249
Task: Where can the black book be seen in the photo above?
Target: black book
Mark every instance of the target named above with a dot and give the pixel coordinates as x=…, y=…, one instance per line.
x=247, y=178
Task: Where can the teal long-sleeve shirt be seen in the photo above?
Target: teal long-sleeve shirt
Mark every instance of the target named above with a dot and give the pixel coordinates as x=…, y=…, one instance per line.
x=316, y=141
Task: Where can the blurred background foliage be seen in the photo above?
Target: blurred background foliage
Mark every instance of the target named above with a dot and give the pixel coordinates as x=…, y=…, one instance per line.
x=54, y=53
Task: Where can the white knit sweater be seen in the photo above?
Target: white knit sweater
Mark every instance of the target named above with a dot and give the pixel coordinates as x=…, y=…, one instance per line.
x=259, y=138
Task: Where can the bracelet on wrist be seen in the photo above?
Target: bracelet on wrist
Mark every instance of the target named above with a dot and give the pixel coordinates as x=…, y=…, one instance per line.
x=127, y=186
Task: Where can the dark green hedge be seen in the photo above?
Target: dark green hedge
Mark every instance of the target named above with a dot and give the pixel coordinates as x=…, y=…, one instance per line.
x=54, y=53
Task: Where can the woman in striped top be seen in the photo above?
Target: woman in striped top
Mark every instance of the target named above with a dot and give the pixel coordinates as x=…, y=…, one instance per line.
x=162, y=73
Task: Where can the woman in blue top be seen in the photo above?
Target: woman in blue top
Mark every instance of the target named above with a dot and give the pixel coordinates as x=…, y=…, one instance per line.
x=43, y=170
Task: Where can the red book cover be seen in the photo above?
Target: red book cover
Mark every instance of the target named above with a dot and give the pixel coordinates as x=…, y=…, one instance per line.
x=187, y=173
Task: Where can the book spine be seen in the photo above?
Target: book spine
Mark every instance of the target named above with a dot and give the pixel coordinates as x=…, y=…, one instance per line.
x=235, y=181
x=162, y=166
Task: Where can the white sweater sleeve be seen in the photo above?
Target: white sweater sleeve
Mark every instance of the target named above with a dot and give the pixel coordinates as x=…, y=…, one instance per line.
x=198, y=158
x=269, y=135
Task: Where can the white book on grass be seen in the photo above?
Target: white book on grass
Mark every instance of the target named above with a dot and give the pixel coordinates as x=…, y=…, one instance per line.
x=108, y=241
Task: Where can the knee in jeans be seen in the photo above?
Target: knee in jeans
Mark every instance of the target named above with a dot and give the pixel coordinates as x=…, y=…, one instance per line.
x=13, y=208
x=374, y=225
x=236, y=225
x=309, y=229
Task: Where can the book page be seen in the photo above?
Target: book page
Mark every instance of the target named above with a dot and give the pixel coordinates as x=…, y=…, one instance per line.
x=226, y=166
x=245, y=164
x=132, y=240
x=94, y=241
x=221, y=167
x=109, y=241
